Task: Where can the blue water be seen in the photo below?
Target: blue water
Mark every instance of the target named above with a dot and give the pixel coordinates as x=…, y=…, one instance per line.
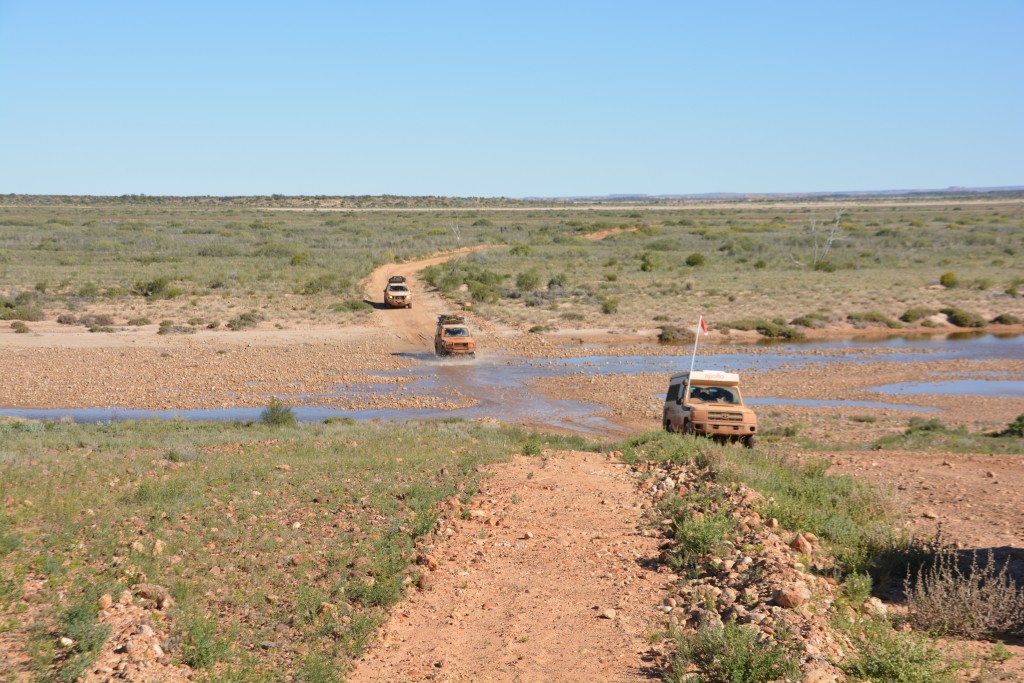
x=957, y=387
x=500, y=385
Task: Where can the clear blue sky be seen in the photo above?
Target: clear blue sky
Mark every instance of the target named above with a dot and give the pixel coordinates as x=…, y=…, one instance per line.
x=508, y=98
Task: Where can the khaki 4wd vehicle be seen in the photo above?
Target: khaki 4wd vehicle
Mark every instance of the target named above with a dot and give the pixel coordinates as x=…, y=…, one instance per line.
x=452, y=337
x=396, y=293
x=708, y=402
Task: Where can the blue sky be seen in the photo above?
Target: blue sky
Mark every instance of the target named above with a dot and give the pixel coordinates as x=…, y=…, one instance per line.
x=508, y=99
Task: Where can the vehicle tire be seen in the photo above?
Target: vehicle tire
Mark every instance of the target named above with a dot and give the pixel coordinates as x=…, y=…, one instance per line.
x=410, y=305
x=750, y=441
x=667, y=424
x=687, y=427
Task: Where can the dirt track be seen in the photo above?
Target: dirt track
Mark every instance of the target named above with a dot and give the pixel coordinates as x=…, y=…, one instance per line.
x=409, y=329
x=550, y=579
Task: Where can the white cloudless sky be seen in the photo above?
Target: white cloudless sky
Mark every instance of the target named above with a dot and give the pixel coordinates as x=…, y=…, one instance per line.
x=508, y=99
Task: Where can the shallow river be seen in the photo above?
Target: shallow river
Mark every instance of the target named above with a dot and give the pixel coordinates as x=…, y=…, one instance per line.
x=500, y=384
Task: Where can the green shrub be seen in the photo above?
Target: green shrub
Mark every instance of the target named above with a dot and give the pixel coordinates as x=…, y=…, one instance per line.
x=157, y=288
x=483, y=293
x=767, y=328
x=528, y=281
x=245, y=320
x=1006, y=319
x=609, y=306
x=1015, y=428
x=949, y=280
x=276, y=414
x=20, y=327
x=696, y=536
x=732, y=655
x=670, y=334
x=962, y=318
x=138, y=322
x=352, y=306
x=883, y=655
x=873, y=317
x=695, y=259
x=810, y=320
x=912, y=315
x=10, y=310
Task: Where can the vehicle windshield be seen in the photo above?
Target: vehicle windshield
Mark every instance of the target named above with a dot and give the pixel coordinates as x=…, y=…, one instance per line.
x=713, y=394
x=399, y=288
x=456, y=332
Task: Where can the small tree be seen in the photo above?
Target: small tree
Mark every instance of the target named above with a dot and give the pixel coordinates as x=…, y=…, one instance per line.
x=821, y=244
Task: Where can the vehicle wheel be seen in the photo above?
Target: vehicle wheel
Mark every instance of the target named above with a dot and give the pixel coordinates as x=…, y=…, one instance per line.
x=667, y=424
x=750, y=441
x=687, y=427
x=410, y=305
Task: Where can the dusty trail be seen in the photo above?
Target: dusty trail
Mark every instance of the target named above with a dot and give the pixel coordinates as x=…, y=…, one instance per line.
x=549, y=578
x=410, y=329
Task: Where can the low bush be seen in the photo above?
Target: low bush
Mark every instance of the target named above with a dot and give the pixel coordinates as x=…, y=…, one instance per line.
x=1015, y=428
x=813, y=320
x=670, y=334
x=962, y=318
x=883, y=655
x=241, y=322
x=20, y=327
x=768, y=328
x=912, y=315
x=276, y=414
x=873, y=318
x=695, y=259
x=732, y=654
x=1005, y=319
x=20, y=310
x=975, y=600
x=949, y=280
x=96, y=320
x=157, y=288
x=352, y=306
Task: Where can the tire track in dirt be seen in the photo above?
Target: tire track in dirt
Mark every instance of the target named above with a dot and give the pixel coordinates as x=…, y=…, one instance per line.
x=547, y=576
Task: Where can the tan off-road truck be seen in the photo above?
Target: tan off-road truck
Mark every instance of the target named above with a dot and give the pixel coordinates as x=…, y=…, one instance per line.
x=709, y=403
x=452, y=337
x=396, y=293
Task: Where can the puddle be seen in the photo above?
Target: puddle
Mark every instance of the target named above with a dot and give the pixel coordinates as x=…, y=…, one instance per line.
x=501, y=385
x=1001, y=388
x=852, y=404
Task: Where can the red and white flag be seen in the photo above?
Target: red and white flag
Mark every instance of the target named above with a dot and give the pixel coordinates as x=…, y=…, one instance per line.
x=703, y=325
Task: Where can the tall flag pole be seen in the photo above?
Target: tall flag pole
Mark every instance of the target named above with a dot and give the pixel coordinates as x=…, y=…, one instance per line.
x=696, y=337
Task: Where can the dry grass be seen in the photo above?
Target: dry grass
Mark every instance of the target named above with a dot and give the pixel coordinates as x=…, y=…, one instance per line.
x=975, y=599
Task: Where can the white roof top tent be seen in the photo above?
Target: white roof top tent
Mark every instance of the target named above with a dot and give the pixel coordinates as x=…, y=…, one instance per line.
x=716, y=376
